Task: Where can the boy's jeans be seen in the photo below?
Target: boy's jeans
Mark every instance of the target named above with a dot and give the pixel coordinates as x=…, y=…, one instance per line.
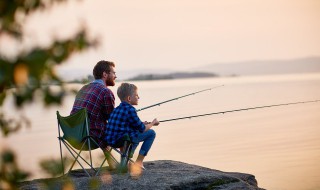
x=147, y=138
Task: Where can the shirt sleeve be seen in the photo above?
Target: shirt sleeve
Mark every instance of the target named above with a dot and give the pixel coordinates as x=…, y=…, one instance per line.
x=109, y=103
x=134, y=120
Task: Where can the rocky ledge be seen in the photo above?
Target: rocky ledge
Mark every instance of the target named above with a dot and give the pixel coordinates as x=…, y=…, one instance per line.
x=163, y=174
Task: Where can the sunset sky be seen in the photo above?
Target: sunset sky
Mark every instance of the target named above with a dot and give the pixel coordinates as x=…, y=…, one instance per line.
x=183, y=34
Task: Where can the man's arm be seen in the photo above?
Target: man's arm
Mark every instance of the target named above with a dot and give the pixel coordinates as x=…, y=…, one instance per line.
x=108, y=104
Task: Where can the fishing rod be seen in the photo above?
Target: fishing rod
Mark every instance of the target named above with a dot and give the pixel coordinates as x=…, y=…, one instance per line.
x=243, y=109
x=158, y=104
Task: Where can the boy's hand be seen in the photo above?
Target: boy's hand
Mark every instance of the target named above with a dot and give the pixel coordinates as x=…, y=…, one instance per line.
x=155, y=122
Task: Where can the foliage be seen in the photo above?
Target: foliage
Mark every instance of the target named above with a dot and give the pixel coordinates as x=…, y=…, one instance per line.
x=53, y=166
x=10, y=173
x=30, y=73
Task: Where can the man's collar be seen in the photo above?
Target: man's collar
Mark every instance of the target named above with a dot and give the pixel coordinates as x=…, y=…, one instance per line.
x=99, y=81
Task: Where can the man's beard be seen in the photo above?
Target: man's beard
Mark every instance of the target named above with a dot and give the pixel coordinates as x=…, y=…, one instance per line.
x=110, y=82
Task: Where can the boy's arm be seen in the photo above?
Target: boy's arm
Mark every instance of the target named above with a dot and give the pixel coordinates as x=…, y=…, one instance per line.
x=148, y=125
x=134, y=121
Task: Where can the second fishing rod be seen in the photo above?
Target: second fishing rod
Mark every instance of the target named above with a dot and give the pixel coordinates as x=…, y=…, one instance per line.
x=238, y=110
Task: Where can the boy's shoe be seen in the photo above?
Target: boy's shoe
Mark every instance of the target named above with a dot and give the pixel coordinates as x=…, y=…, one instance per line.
x=135, y=170
x=142, y=167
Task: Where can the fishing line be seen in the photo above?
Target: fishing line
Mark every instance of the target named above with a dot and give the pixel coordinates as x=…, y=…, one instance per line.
x=243, y=109
x=177, y=98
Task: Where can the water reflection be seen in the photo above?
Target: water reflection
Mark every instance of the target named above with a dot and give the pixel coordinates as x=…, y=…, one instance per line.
x=280, y=145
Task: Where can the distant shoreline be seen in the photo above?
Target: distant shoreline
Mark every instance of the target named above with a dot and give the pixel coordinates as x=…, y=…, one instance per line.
x=241, y=68
x=177, y=75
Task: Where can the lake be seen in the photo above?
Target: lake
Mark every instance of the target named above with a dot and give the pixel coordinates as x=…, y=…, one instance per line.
x=279, y=145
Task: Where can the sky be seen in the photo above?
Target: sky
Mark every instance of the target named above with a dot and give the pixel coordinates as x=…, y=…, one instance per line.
x=182, y=34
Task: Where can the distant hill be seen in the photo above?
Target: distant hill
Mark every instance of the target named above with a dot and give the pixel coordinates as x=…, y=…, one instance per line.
x=258, y=67
x=303, y=65
x=177, y=75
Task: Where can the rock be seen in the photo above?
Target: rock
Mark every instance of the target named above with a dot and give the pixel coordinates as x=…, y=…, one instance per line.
x=163, y=174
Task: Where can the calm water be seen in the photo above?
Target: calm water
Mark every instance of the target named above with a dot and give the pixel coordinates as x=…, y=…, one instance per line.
x=279, y=145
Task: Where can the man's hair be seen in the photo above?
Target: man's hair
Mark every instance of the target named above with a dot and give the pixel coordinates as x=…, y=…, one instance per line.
x=100, y=67
x=125, y=90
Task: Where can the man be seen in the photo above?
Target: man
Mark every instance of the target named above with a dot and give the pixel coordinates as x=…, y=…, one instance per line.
x=99, y=101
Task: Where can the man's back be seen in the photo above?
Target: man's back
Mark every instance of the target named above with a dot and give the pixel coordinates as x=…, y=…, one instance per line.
x=99, y=102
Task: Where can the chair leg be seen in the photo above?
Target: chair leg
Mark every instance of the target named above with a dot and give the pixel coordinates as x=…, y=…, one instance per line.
x=75, y=158
x=107, y=155
x=123, y=168
x=91, y=165
x=61, y=157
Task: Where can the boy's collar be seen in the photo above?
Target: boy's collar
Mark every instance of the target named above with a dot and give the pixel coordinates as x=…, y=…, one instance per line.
x=124, y=102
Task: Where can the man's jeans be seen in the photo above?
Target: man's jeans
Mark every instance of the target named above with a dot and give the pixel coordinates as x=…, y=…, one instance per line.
x=147, y=138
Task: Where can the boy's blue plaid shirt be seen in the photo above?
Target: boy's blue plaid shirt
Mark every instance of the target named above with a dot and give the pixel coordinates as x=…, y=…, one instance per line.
x=123, y=120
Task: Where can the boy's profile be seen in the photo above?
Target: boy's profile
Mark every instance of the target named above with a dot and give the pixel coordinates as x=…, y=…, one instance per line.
x=124, y=120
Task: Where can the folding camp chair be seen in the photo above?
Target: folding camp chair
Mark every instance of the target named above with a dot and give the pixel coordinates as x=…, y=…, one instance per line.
x=76, y=139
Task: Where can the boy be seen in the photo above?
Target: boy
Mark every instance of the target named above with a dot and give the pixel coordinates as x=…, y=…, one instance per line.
x=124, y=120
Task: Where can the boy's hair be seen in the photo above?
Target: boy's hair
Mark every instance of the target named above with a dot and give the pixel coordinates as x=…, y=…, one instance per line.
x=125, y=90
x=100, y=67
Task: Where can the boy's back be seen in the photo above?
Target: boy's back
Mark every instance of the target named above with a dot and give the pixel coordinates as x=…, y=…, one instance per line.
x=123, y=120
